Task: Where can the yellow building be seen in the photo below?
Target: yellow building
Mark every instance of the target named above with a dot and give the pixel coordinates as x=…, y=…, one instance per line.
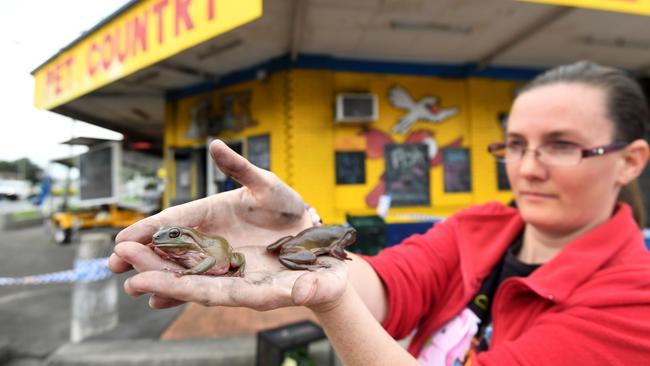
x=286, y=122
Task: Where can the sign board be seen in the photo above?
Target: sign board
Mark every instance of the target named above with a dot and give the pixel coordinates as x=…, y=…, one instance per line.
x=99, y=174
x=350, y=167
x=407, y=174
x=146, y=33
x=457, y=170
x=259, y=151
x=641, y=7
x=503, y=184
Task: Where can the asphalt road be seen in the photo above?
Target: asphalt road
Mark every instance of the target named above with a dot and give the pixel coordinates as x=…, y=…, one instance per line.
x=35, y=319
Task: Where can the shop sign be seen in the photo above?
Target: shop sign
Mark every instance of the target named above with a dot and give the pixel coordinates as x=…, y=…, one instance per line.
x=625, y=6
x=146, y=33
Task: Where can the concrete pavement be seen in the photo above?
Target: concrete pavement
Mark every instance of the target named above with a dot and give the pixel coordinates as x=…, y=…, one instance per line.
x=35, y=320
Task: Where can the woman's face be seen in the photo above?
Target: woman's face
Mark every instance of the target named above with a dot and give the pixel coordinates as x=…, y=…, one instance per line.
x=561, y=200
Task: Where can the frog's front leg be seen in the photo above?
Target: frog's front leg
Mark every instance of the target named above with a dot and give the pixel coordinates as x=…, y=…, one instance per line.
x=203, y=266
x=238, y=261
x=337, y=249
x=300, y=259
x=277, y=245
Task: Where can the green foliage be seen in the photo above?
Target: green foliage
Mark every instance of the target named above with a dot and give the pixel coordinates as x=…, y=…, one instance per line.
x=23, y=167
x=298, y=356
x=25, y=215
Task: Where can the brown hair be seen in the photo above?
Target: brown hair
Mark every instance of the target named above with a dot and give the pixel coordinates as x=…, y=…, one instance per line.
x=626, y=106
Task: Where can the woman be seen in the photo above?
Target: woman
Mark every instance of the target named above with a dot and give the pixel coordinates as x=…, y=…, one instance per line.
x=562, y=279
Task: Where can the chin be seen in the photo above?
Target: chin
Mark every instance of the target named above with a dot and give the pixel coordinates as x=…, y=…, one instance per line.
x=551, y=222
x=541, y=218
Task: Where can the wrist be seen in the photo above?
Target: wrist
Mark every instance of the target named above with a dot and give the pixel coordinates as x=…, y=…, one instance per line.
x=330, y=308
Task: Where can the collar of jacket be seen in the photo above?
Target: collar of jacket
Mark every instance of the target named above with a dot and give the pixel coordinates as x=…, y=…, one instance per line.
x=486, y=234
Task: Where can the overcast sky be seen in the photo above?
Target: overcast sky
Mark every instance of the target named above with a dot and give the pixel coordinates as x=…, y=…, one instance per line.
x=30, y=32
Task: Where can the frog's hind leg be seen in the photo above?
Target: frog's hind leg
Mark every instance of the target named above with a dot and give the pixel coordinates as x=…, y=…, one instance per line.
x=302, y=267
x=301, y=260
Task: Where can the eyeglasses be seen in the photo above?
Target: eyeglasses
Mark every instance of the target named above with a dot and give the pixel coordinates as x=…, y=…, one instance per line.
x=553, y=154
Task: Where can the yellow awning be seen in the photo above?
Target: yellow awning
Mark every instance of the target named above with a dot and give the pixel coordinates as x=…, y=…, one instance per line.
x=142, y=34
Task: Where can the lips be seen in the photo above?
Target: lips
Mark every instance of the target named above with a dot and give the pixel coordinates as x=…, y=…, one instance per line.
x=536, y=195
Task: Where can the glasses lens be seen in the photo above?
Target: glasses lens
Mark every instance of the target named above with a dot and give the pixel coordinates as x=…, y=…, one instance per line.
x=514, y=152
x=560, y=154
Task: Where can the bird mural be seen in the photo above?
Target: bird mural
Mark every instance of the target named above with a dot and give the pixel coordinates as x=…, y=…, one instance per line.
x=426, y=109
x=375, y=141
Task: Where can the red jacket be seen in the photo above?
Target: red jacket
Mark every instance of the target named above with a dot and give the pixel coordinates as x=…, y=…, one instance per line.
x=589, y=305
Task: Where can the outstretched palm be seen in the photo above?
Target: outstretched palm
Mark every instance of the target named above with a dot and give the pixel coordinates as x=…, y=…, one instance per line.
x=250, y=218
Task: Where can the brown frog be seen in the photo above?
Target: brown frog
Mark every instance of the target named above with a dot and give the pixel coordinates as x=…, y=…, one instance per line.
x=299, y=252
x=198, y=252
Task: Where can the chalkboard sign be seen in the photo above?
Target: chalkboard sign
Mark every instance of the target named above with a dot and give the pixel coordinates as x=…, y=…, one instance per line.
x=457, y=172
x=99, y=173
x=502, y=177
x=350, y=167
x=407, y=174
x=259, y=151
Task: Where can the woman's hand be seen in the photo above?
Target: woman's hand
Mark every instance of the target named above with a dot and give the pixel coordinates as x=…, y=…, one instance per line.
x=250, y=218
x=266, y=283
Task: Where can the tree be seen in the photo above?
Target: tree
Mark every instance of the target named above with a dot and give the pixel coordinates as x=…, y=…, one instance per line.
x=22, y=167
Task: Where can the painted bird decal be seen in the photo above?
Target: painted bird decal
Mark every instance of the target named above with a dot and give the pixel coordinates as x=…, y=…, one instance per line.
x=427, y=109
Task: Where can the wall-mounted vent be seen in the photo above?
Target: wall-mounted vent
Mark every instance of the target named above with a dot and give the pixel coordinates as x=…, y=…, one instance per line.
x=356, y=107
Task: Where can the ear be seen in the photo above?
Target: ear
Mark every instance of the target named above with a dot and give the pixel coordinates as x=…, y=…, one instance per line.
x=635, y=158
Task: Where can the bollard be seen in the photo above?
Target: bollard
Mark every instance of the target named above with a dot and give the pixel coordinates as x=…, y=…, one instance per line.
x=94, y=303
x=273, y=345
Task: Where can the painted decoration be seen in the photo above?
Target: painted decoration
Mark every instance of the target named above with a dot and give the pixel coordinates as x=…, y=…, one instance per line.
x=199, y=118
x=426, y=109
x=235, y=114
x=376, y=141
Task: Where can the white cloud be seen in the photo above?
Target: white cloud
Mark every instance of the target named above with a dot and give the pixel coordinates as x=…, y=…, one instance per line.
x=31, y=31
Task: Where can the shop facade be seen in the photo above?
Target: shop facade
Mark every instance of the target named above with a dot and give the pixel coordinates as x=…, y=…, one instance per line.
x=420, y=139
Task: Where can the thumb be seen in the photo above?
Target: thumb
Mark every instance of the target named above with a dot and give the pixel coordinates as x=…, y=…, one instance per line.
x=236, y=166
x=318, y=288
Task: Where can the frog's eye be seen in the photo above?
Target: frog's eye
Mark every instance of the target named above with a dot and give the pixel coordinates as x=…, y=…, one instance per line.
x=174, y=233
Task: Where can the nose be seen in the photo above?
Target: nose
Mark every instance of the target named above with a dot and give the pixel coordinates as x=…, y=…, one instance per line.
x=530, y=166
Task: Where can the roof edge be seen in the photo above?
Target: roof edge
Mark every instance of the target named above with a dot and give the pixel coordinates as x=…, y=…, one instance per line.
x=326, y=62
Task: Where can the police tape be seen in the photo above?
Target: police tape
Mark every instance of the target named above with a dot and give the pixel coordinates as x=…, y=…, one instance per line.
x=84, y=270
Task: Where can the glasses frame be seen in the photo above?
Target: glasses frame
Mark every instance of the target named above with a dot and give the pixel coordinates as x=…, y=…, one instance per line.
x=584, y=153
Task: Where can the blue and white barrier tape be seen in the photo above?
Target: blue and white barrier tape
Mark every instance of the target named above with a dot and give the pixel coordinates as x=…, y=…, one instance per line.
x=85, y=270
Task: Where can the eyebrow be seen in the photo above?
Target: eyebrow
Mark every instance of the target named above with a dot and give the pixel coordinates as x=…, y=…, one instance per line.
x=550, y=135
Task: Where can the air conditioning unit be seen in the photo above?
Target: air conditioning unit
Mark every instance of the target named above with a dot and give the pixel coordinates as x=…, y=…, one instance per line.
x=356, y=107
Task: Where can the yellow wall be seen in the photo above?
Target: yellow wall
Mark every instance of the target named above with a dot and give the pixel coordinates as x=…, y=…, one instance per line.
x=295, y=108
x=268, y=109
